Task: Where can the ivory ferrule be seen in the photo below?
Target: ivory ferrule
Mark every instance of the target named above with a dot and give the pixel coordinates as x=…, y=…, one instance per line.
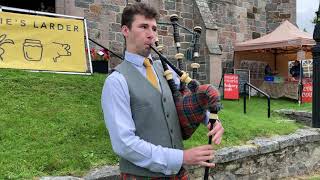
x=160, y=48
x=185, y=77
x=198, y=29
x=168, y=74
x=213, y=116
x=179, y=56
x=195, y=65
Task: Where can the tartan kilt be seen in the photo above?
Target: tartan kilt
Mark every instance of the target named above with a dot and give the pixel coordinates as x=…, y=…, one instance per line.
x=182, y=175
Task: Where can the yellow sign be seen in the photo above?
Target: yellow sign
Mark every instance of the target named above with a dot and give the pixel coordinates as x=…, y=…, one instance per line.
x=42, y=43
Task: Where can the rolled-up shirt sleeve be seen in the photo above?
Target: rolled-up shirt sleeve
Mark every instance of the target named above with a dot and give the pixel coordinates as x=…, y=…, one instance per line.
x=118, y=118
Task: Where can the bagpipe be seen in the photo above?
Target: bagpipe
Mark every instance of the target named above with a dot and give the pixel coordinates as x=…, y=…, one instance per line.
x=192, y=100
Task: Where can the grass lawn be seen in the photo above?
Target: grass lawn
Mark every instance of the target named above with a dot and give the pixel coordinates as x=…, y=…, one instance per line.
x=52, y=124
x=240, y=127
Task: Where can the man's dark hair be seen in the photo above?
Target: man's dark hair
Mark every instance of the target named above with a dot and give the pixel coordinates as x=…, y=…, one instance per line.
x=137, y=8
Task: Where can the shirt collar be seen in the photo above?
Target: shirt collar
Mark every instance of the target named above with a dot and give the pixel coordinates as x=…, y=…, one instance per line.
x=135, y=58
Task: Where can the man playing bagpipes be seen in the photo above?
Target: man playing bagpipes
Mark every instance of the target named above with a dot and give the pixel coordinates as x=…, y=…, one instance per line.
x=140, y=112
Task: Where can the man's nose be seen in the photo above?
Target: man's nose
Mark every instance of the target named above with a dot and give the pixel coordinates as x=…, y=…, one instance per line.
x=151, y=33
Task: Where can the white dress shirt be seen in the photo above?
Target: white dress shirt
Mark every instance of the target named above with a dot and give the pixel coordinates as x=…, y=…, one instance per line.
x=118, y=118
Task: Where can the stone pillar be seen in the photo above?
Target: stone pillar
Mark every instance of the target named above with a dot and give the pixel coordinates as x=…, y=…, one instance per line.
x=215, y=60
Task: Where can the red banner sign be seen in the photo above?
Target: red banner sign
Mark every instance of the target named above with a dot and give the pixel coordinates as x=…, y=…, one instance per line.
x=231, y=86
x=307, y=93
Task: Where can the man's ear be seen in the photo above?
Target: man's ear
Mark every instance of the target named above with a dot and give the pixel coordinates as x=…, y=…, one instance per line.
x=125, y=30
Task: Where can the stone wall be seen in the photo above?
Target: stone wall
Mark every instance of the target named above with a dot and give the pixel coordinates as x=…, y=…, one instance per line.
x=269, y=158
x=104, y=18
x=262, y=158
x=241, y=20
x=103, y=21
x=236, y=20
x=279, y=10
x=304, y=117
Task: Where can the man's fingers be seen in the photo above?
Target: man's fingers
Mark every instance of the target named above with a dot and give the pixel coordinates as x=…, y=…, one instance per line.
x=205, y=158
x=205, y=147
x=213, y=131
x=206, y=153
x=216, y=133
x=217, y=140
x=217, y=137
x=206, y=164
x=198, y=154
x=216, y=129
x=217, y=123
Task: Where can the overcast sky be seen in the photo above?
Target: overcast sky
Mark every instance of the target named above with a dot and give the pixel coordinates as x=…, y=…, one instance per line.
x=305, y=13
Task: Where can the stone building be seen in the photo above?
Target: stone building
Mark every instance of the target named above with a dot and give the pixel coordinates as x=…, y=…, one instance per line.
x=223, y=23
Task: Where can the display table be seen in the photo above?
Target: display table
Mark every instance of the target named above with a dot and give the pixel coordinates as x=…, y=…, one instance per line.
x=287, y=89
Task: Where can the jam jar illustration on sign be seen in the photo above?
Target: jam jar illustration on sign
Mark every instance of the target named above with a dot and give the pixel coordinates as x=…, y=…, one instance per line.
x=32, y=50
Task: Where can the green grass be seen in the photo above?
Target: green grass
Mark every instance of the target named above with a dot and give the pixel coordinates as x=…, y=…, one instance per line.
x=52, y=124
x=240, y=127
x=314, y=178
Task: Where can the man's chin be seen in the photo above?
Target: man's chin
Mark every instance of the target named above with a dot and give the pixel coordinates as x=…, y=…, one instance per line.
x=145, y=53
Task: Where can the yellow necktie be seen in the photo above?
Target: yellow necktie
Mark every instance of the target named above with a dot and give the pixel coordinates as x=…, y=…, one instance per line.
x=150, y=74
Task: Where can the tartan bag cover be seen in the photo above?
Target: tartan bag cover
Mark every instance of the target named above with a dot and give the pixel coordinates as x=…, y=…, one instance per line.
x=192, y=103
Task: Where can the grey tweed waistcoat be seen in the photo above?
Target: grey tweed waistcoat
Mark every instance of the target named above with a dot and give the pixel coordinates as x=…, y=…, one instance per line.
x=153, y=112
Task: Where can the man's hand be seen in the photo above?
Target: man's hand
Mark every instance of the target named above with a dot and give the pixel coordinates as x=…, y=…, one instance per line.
x=216, y=132
x=199, y=155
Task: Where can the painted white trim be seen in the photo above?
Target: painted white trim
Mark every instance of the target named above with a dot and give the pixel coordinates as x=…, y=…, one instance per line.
x=88, y=46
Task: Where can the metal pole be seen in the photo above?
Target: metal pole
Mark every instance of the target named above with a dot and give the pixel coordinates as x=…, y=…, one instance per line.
x=245, y=99
x=300, y=87
x=268, y=107
x=316, y=74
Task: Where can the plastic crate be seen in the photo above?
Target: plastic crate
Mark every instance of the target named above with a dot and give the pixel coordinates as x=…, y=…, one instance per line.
x=269, y=78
